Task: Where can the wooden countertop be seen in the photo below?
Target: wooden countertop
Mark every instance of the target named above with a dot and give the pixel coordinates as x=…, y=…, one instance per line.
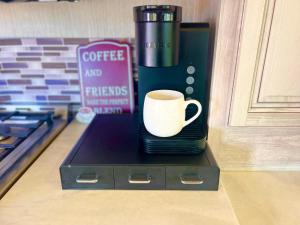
x=243, y=198
x=264, y=198
x=37, y=198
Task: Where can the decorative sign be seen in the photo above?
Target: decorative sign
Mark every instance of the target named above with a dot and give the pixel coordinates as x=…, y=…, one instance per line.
x=105, y=71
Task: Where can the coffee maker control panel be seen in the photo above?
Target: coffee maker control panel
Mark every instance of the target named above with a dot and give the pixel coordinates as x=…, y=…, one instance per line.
x=189, y=90
x=190, y=80
x=191, y=70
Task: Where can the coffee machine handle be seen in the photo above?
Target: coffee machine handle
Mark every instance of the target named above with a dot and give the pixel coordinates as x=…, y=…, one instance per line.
x=198, y=104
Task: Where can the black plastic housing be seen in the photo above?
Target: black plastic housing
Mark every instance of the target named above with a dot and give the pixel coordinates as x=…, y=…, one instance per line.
x=109, y=155
x=157, y=30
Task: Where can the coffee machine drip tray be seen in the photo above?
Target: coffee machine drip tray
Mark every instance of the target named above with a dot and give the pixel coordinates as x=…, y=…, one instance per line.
x=109, y=155
x=191, y=140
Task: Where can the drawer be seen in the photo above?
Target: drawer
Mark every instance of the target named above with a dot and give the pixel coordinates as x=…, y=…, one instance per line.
x=139, y=177
x=81, y=177
x=192, y=178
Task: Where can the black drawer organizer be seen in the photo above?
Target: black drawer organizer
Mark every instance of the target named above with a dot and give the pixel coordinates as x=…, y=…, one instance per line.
x=109, y=156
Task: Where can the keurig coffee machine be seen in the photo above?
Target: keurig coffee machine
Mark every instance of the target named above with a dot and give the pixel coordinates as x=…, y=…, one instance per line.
x=172, y=55
x=116, y=152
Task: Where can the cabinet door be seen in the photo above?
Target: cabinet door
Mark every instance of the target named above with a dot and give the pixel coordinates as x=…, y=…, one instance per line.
x=267, y=76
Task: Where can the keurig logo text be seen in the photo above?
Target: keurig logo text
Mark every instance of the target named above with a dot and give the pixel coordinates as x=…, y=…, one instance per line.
x=157, y=44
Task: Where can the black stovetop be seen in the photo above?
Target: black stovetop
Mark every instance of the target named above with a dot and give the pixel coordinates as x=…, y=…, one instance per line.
x=16, y=126
x=23, y=136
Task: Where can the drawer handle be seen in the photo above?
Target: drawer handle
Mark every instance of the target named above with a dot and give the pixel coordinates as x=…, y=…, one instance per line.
x=87, y=179
x=138, y=179
x=193, y=181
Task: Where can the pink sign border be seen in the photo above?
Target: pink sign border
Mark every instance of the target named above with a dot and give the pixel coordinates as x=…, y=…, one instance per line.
x=129, y=61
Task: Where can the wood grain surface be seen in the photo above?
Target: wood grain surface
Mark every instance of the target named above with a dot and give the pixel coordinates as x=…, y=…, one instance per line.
x=37, y=198
x=264, y=198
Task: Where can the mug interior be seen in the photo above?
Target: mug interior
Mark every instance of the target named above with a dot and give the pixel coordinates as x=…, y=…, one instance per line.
x=164, y=95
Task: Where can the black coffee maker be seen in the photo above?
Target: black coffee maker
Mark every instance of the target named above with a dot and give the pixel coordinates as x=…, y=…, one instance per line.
x=172, y=55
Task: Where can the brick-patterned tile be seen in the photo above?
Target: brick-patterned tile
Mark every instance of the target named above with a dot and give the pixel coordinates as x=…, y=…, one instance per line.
x=71, y=71
x=2, y=82
x=75, y=41
x=18, y=82
x=72, y=65
x=41, y=98
x=74, y=82
x=55, y=48
x=29, y=59
x=42, y=69
x=59, y=98
x=10, y=71
x=32, y=75
x=70, y=92
x=51, y=54
x=14, y=65
x=5, y=98
x=37, y=87
x=29, y=54
x=11, y=41
x=56, y=82
x=35, y=48
x=7, y=92
x=49, y=41
x=53, y=65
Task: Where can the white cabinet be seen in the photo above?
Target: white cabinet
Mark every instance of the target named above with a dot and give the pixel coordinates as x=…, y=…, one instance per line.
x=255, y=94
x=267, y=76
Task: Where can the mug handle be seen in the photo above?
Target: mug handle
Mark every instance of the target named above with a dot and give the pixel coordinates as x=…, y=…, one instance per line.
x=186, y=103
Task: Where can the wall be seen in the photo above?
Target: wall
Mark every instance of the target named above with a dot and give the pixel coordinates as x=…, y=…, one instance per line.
x=38, y=42
x=41, y=70
x=89, y=18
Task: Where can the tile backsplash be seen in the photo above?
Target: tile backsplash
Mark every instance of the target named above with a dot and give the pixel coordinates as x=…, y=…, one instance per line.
x=42, y=70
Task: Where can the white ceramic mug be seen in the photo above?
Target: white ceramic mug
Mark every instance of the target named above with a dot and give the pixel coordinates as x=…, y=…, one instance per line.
x=164, y=112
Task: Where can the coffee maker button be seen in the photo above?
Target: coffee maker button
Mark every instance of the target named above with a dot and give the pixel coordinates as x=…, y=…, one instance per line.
x=190, y=80
x=189, y=90
x=191, y=70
